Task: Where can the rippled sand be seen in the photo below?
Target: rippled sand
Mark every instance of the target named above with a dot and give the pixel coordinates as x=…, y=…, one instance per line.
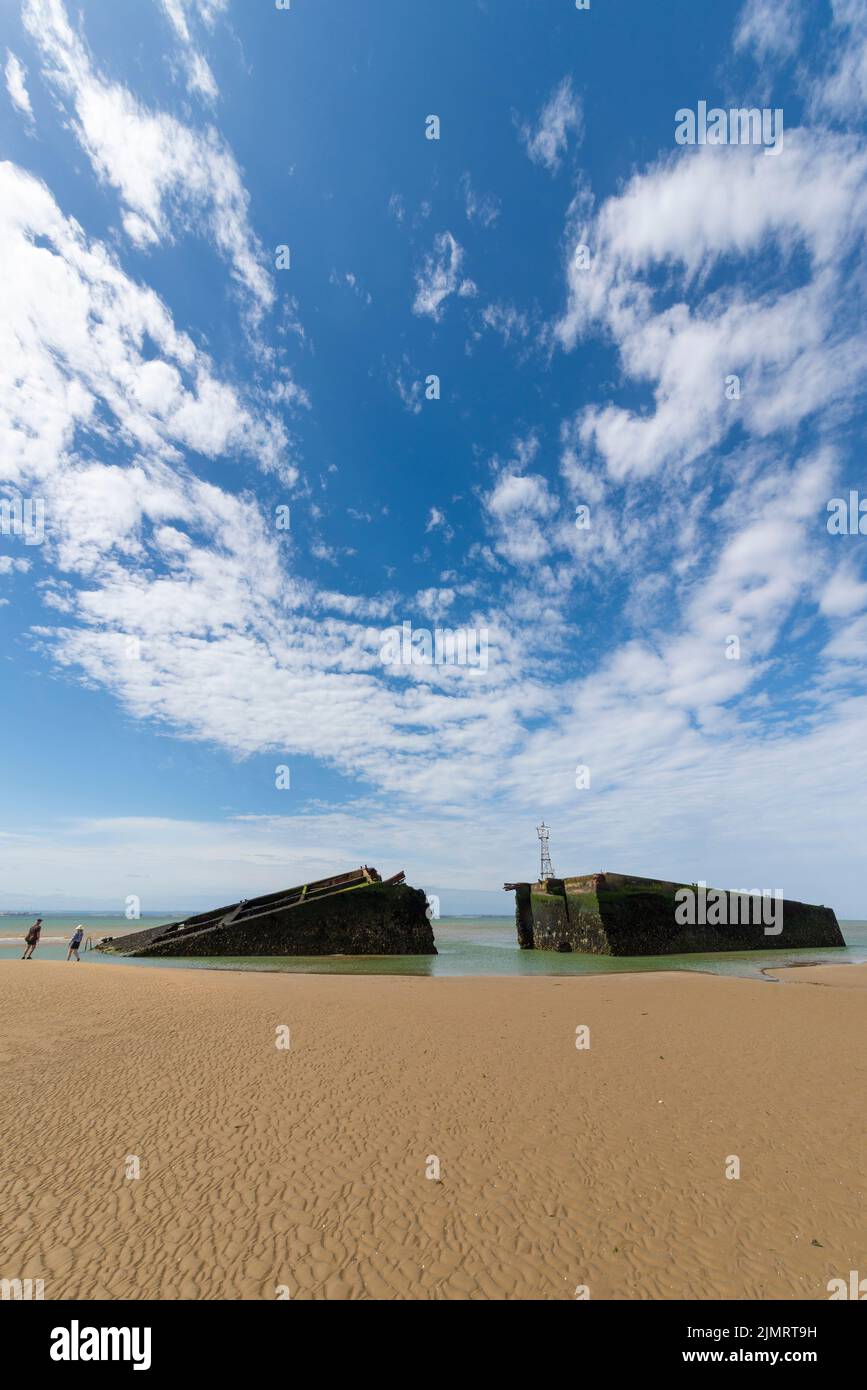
x=305, y=1169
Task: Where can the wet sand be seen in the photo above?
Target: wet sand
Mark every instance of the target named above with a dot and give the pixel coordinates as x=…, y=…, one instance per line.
x=304, y=1169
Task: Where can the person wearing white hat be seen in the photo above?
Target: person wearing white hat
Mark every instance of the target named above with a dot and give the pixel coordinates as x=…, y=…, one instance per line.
x=75, y=942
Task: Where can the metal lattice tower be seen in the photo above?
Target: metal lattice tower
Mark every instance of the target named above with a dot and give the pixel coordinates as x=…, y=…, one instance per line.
x=547, y=869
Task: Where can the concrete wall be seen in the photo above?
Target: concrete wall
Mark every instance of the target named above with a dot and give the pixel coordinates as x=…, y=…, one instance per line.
x=378, y=919
x=550, y=921
x=634, y=917
x=524, y=917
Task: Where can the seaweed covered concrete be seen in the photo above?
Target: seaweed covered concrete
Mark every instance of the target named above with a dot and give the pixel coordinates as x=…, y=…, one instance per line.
x=622, y=915
x=348, y=914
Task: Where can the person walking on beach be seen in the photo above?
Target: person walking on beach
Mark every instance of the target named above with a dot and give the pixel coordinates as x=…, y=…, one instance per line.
x=31, y=940
x=75, y=942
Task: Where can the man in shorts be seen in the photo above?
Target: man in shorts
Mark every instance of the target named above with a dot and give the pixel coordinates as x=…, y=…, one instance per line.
x=31, y=940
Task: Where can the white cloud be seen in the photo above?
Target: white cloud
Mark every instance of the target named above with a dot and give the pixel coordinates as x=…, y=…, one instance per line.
x=349, y=280
x=435, y=602
x=795, y=350
x=547, y=141
x=835, y=83
x=514, y=493
x=505, y=319
x=440, y=276
x=520, y=507
x=410, y=395
x=73, y=329
x=845, y=593
x=437, y=521
x=286, y=391
x=841, y=90
x=483, y=208
x=769, y=28
x=167, y=175
x=16, y=85
x=409, y=390
x=320, y=551
x=200, y=79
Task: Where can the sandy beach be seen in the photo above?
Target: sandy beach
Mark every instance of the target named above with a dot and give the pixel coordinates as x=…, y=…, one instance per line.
x=305, y=1168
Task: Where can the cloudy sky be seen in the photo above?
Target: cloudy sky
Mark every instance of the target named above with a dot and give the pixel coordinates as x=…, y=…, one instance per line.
x=233, y=263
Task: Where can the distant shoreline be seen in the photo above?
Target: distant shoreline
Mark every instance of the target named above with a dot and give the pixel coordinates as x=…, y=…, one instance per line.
x=177, y=914
x=80, y=912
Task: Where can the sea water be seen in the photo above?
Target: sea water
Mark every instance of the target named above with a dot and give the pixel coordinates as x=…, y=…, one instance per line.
x=465, y=945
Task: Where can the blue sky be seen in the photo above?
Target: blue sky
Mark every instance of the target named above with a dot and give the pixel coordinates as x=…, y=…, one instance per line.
x=165, y=388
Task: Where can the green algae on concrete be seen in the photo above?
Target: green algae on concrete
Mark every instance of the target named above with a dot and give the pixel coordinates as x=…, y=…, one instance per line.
x=623, y=915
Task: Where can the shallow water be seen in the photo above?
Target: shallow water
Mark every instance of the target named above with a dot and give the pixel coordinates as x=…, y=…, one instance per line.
x=466, y=946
